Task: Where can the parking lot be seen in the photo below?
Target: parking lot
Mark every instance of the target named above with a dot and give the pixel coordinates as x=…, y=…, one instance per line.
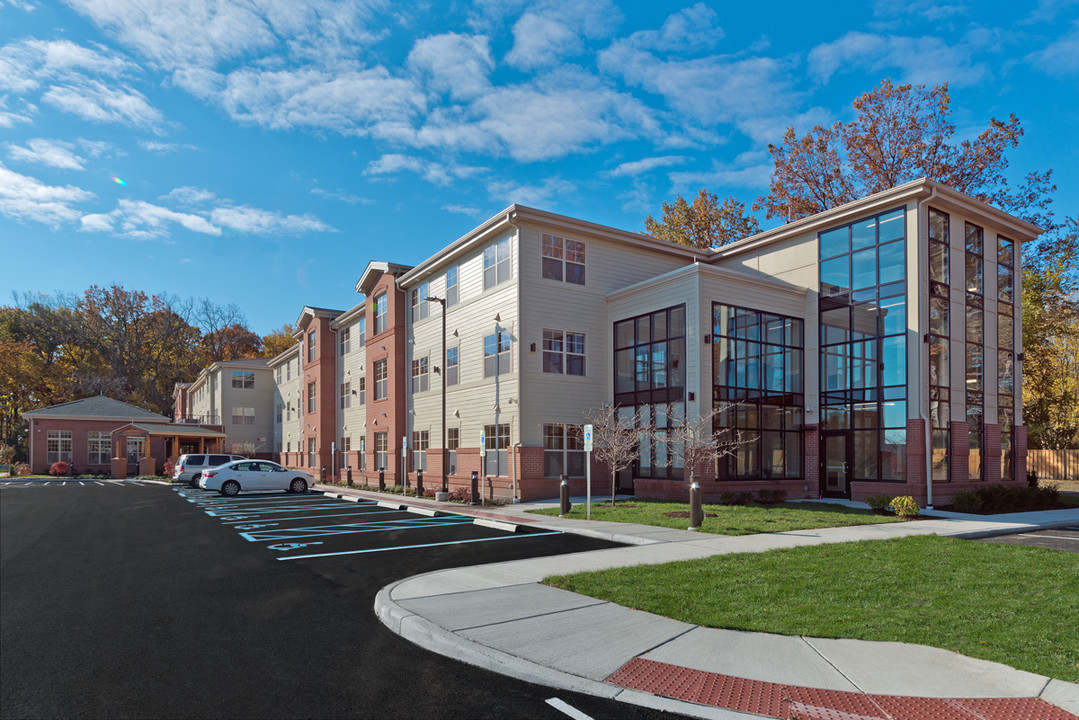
x=1059, y=539
x=130, y=600
x=315, y=525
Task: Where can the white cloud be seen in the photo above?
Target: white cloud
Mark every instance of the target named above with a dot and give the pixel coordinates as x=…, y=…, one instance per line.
x=543, y=194
x=455, y=64
x=9, y=119
x=208, y=32
x=93, y=100
x=143, y=221
x=932, y=10
x=54, y=153
x=342, y=196
x=550, y=31
x=26, y=198
x=1060, y=57
x=690, y=29
x=637, y=167
x=929, y=60
x=188, y=195
x=467, y=210
x=435, y=172
x=163, y=147
x=26, y=63
x=748, y=170
x=264, y=222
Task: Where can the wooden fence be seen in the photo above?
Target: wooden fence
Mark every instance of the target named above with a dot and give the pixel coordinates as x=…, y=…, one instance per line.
x=1054, y=464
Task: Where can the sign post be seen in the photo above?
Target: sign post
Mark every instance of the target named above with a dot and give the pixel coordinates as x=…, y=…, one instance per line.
x=588, y=470
x=483, y=464
x=404, y=466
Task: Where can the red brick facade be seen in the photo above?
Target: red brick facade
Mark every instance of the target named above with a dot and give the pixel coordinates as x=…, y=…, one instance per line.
x=320, y=425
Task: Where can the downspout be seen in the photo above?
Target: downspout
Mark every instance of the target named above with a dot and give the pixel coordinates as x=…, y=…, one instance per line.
x=923, y=360
x=513, y=471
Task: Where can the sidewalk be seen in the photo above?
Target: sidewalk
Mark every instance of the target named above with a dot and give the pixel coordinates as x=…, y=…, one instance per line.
x=499, y=617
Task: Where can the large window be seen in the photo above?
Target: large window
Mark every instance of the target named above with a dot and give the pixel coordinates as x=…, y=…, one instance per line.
x=496, y=354
x=453, y=365
x=361, y=331
x=649, y=386
x=361, y=390
x=563, y=450
x=312, y=453
x=453, y=441
x=345, y=337
x=863, y=338
x=382, y=450
x=98, y=447
x=420, y=307
x=757, y=373
x=563, y=259
x=496, y=444
x=311, y=346
x=1006, y=353
x=421, y=441
x=452, y=287
x=975, y=342
x=243, y=379
x=344, y=448
x=563, y=352
x=380, y=314
x=496, y=263
x=420, y=376
x=939, y=343
x=346, y=395
x=381, y=382
x=311, y=397
x=243, y=416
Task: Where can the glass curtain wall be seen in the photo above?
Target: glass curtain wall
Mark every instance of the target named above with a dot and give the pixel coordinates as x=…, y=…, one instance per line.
x=975, y=341
x=939, y=343
x=1006, y=353
x=863, y=336
x=650, y=382
x=757, y=376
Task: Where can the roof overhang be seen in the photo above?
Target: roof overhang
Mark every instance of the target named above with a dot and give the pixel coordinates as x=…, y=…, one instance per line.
x=376, y=269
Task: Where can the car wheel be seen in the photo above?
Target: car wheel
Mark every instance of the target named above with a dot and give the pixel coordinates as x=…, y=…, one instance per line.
x=230, y=488
x=299, y=485
x=194, y=482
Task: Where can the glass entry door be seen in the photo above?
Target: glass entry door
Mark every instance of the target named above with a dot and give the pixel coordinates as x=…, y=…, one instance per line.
x=134, y=454
x=836, y=463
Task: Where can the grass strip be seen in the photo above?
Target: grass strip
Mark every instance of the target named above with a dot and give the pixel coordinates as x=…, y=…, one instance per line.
x=730, y=519
x=1006, y=603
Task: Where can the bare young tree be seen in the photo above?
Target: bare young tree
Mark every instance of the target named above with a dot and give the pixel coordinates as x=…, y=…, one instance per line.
x=615, y=440
x=700, y=444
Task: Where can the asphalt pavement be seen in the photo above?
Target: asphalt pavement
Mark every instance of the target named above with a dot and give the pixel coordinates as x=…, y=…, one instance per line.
x=125, y=599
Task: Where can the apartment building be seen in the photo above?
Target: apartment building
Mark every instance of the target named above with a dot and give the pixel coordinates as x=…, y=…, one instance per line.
x=236, y=396
x=872, y=348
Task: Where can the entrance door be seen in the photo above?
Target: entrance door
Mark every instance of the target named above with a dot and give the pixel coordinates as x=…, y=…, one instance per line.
x=134, y=454
x=836, y=463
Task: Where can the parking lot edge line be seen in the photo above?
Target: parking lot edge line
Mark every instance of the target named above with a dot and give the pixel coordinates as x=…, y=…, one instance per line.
x=423, y=545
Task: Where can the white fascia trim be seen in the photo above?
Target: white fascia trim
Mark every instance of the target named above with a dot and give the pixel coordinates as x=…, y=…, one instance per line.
x=499, y=223
x=286, y=355
x=707, y=271
x=348, y=315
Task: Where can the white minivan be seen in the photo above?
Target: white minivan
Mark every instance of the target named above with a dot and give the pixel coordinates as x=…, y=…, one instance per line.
x=189, y=468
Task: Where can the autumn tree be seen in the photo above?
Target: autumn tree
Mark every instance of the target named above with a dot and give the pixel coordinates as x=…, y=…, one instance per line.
x=900, y=133
x=278, y=341
x=1051, y=338
x=703, y=224
x=615, y=440
x=232, y=342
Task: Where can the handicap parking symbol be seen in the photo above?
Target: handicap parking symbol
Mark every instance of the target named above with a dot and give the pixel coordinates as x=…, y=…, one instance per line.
x=282, y=547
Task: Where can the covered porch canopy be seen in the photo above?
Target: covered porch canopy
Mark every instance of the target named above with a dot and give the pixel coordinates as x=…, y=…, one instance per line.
x=208, y=439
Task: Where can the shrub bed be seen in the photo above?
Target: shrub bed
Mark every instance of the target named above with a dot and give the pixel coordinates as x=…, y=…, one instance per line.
x=993, y=499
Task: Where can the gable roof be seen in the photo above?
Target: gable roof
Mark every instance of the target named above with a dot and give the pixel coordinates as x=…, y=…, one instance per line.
x=98, y=406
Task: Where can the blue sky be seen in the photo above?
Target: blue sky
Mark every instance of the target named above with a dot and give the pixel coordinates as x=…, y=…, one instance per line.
x=261, y=152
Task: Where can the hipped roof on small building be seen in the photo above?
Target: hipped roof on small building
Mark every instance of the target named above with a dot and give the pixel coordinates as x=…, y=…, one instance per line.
x=174, y=430
x=98, y=407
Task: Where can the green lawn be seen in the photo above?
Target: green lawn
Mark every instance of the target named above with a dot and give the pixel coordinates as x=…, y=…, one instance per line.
x=731, y=519
x=1007, y=603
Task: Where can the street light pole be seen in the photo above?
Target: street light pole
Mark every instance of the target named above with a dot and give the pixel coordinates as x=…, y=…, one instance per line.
x=442, y=302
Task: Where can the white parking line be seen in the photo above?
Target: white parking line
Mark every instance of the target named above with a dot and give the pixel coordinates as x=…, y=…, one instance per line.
x=1050, y=537
x=568, y=709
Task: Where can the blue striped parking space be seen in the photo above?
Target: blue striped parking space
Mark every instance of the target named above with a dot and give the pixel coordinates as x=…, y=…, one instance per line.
x=316, y=525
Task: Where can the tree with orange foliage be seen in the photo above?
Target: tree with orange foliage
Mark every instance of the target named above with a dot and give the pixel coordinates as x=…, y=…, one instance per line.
x=703, y=224
x=278, y=341
x=901, y=133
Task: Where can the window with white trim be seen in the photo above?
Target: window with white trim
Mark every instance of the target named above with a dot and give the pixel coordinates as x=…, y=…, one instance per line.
x=496, y=354
x=420, y=307
x=382, y=450
x=312, y=454
x=453, y=365
x=452, y=287
x=243, y=415
x=311, y=346
x=381, y=383
x=346, y=395
x=563, y=259
x=243, y=379
x=420, y=376
x=380, y=314
x=421, y=441
x=361, y=390
x=344, y=448
x=563, y=450
x=98, y=447
x=311, y=397
x=453, y=441
x=361, y=331
x=496, y=264
x=563, y=352
x=345, y=336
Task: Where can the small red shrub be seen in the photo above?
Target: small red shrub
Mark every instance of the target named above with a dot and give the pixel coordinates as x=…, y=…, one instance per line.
x=59, y=468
